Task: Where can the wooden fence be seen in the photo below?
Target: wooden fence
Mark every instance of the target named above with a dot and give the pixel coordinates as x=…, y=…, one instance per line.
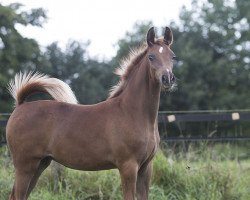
x=167, y=117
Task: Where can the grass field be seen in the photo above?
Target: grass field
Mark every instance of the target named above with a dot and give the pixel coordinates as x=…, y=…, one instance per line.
x=202, y=173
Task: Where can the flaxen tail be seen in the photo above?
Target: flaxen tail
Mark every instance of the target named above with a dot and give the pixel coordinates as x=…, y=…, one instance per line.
x=25, y=84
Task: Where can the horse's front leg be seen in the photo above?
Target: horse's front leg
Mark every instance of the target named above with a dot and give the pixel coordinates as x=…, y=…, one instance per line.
x=128, y=172
x=143, y=181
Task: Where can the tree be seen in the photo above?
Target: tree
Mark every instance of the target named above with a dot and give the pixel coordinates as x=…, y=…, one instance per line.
x=88, y=78
x=212, y=45
x=132, y=39
x=17, y=53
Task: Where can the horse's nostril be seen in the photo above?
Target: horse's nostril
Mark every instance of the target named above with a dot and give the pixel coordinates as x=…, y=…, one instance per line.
x=168, y=79
x=172, y=78
x=164, y=79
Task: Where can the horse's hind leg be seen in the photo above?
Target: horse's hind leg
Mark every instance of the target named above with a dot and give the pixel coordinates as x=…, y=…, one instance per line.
x=24, y=172
x=44, y=163
x=25, y=180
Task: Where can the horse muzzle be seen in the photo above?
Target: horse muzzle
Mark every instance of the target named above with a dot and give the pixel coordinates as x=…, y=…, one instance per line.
x=168, y=80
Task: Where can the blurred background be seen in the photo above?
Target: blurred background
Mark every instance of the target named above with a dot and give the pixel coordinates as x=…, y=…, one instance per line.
x=82, y=42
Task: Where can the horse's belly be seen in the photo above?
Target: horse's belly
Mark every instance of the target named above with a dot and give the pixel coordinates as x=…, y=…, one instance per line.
x=87, y=165
x=90, y=156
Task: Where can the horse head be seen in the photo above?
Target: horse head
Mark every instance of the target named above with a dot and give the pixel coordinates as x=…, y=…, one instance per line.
x=160, y=58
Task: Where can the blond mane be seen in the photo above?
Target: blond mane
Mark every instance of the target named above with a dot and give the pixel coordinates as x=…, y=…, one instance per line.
x=127, y=66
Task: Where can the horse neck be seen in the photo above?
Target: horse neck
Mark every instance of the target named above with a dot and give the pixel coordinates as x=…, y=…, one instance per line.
x=142, y=94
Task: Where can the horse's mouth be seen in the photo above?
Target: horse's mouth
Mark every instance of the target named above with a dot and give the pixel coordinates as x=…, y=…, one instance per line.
x=168, y=81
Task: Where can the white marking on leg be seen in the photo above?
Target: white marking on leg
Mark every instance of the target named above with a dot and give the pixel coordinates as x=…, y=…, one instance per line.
x=161, y=49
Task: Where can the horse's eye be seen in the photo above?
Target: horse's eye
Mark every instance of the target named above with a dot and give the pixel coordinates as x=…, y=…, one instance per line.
x=151, y=57
x=174, y=57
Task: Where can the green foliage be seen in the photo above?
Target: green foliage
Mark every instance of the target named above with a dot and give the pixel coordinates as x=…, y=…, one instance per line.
x=16, y=52
x=133, y=39
x=88, y=78
x=200, y=173
x=202, y=178
x=80, y=185
x=6, y=173
x=211, y=44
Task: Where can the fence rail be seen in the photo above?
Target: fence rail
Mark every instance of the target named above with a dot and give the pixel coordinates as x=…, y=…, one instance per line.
x=203, y=117
x=187, y=116
x=205, y=139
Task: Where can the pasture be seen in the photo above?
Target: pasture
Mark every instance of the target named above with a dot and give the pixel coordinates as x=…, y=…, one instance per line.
x=214, y=172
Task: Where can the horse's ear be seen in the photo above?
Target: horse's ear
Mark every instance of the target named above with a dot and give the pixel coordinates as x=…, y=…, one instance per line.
x=168, y=36
x=151, y=36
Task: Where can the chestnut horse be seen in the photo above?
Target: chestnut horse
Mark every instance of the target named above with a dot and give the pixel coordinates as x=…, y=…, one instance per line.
x=120, y=132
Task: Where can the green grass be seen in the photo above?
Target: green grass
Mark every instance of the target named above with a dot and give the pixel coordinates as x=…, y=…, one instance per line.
x=202, y=173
